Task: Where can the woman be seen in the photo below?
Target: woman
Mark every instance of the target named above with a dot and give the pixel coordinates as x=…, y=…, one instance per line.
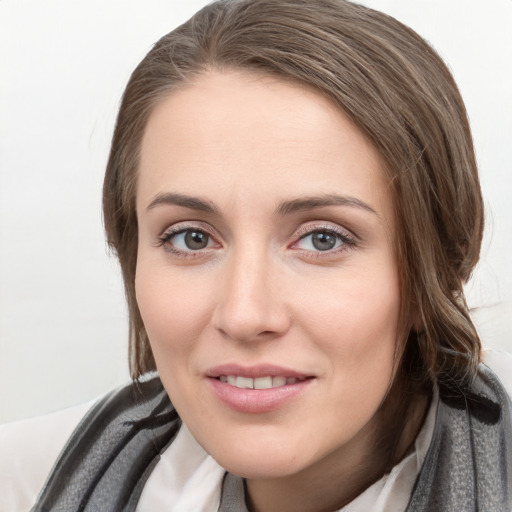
x=293, y=197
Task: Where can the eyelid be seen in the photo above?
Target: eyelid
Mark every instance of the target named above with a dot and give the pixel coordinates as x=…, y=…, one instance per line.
x=180, y=227
x=314, y=226
x=349, y=239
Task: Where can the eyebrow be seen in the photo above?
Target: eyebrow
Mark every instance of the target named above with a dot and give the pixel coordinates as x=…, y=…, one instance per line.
x=194, y=203
x=312, y=202
x=285, y=208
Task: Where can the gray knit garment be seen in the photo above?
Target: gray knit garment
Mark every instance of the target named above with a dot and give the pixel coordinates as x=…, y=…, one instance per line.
x=108, y=459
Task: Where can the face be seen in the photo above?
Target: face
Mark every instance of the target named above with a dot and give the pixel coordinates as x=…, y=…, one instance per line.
x=266, y=276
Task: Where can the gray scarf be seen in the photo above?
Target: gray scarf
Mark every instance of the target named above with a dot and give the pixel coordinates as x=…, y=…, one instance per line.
x=108, y=459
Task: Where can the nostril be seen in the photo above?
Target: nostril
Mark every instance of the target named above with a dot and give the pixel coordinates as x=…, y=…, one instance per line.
x=250, y=320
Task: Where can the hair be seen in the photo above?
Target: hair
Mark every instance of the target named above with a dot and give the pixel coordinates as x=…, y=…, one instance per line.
x=399, y=93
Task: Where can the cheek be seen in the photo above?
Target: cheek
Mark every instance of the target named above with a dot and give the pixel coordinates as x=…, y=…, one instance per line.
x=356, y=307
x=174, y=309
x=355, y=321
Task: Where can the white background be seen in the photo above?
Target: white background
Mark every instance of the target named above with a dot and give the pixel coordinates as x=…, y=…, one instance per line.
x=63, y=67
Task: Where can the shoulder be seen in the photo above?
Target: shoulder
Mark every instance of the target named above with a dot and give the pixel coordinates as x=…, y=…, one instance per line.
x=112, y=452
x=28, y=450
x=500, y=362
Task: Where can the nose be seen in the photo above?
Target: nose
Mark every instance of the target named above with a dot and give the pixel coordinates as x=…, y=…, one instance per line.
x=251, y=306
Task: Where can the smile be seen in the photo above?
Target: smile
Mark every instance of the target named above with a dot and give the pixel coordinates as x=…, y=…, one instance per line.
x=257, y=389
x=267, y=382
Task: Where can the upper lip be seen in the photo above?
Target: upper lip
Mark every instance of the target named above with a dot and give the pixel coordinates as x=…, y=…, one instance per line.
x=260, y=370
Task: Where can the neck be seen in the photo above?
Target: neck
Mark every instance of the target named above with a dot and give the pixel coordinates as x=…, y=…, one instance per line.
x=378, y=446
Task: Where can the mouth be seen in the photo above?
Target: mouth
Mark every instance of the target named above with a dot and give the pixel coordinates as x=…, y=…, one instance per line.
x=257, y=389
x=266, y=382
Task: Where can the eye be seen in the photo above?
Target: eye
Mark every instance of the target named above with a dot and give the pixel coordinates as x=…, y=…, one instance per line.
x=184, y=241
x=191, y=239
x=322, y=240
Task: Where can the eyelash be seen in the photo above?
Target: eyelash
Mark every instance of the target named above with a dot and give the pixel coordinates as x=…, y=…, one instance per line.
x=347, y=240
x=172, y=232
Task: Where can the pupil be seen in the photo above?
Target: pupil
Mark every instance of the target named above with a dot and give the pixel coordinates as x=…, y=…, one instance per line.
x=196, y=240
x=323, y=241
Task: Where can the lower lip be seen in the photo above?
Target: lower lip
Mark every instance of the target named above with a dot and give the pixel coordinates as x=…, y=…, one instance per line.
x=256, y=401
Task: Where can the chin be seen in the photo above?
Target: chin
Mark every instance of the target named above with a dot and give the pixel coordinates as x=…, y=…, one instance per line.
x=260, y=460
x=264, y=467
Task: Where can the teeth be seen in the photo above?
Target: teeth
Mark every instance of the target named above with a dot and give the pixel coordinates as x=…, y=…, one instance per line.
x=259, y=382
x=278, y=382
x=263, y=383
x=244, y=383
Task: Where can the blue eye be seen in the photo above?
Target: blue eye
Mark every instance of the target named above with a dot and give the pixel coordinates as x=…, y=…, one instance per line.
x=321, y=241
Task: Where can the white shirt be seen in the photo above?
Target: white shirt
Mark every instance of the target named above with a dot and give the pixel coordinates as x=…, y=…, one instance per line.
x=187, y=479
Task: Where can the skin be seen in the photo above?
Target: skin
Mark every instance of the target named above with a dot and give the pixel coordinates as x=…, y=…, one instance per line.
x=260, y=291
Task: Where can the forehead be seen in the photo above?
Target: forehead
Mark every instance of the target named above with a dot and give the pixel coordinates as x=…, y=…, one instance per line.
x=240, y=135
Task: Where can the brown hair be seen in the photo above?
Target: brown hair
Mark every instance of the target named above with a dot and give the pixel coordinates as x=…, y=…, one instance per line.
x=396, y=88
